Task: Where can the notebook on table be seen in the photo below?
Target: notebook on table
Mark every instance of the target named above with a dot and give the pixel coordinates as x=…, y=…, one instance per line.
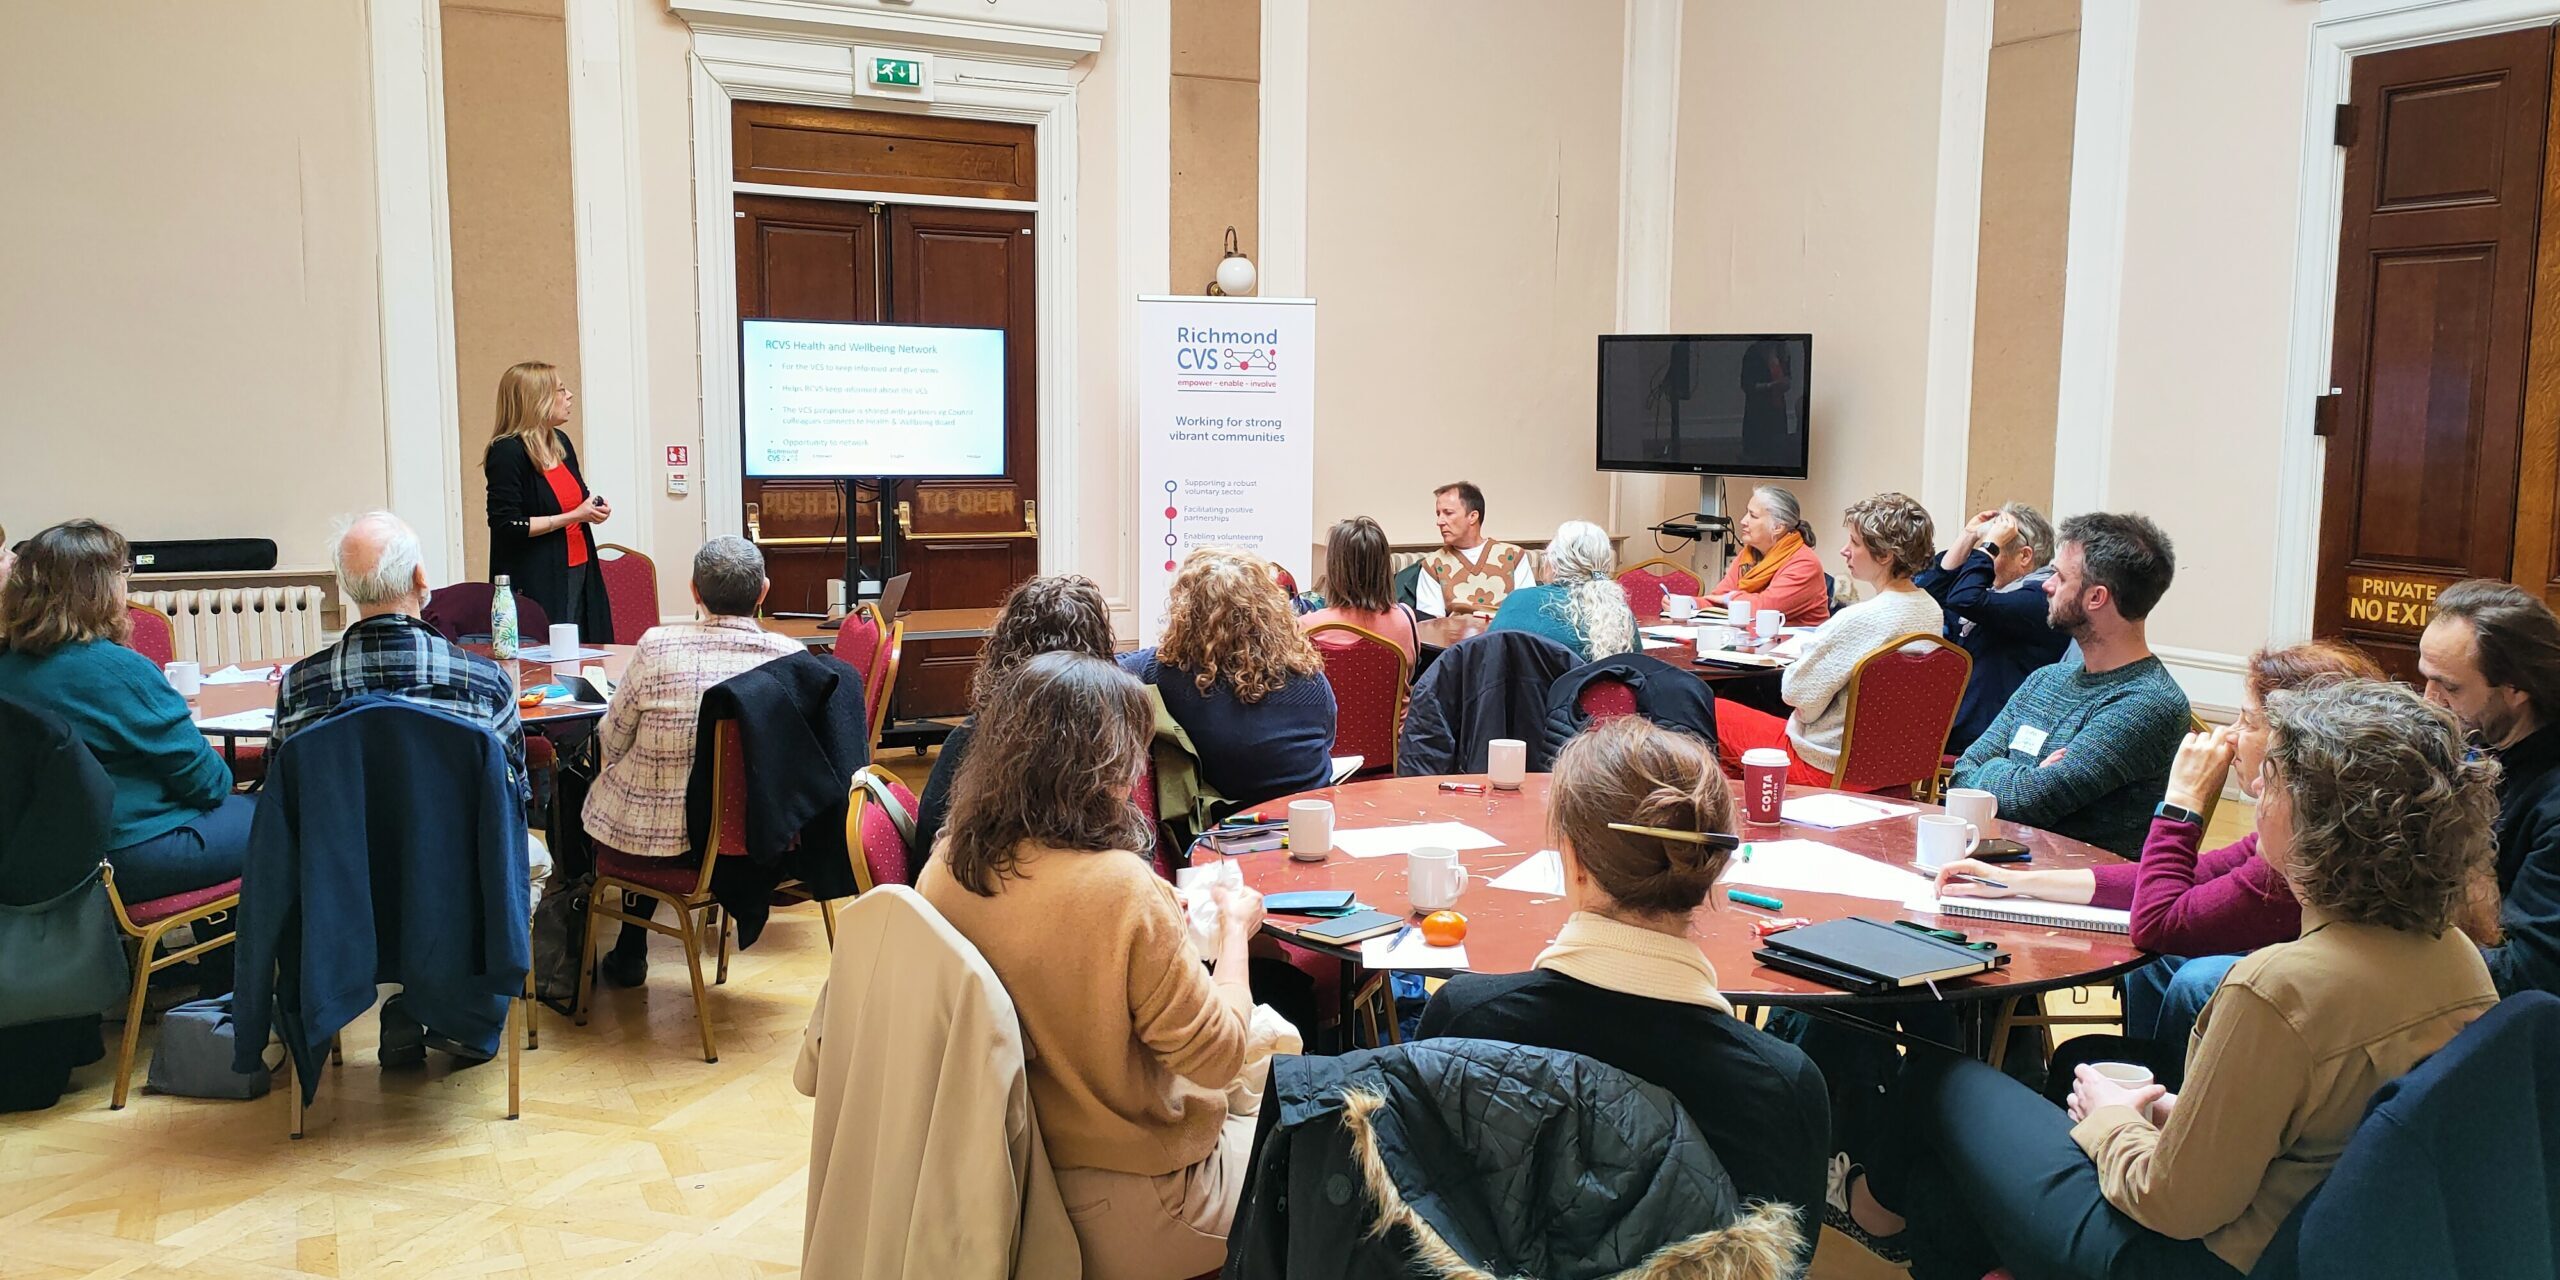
x=2064, y=915
x=1873, y=956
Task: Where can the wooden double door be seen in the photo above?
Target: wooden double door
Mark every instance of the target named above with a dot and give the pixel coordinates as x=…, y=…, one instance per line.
x=2444, y=421
x=967, y=542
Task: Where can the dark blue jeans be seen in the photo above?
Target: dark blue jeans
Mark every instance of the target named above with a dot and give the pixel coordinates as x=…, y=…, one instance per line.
x=204, y=852
x=2162, y=999
x=1989, y=1177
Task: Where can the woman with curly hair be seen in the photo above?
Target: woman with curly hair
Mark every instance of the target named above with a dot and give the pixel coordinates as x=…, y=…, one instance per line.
x=1048, y=614
x=1241, y=679
x=1580, y=604
x=2378, y=817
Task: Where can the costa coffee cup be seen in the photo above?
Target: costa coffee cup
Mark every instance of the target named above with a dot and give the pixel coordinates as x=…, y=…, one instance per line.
x=1507, y=762
x=185, y=677
x=1976, y=807
x=1310, y=829
x=1764, y=785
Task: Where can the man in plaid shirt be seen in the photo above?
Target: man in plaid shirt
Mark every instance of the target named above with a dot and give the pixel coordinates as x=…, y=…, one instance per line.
x=391, y=650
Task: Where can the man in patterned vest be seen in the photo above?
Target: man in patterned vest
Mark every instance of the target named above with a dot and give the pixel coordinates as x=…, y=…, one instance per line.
x=1469, y=573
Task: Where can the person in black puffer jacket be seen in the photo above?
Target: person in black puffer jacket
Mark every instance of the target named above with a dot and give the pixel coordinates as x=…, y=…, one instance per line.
x=1470, y=1159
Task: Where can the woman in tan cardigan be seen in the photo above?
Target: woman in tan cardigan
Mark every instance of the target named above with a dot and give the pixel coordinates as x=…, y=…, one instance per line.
x=2378, y=819
x=1146, y=1069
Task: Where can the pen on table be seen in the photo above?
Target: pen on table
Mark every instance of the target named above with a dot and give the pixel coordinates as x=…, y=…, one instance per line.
x=1982, y=880
x=1471, y=788
x=1401, y=935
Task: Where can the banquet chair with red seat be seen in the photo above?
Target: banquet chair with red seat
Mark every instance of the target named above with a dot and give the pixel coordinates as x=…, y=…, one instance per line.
x=462, y=609
x=631, y=585
x=155, y=634
x=1901, y=700
x=1371, y=681
x=1647, y=581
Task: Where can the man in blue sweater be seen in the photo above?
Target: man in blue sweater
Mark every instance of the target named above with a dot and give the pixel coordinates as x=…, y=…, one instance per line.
x=2491, y=656
x=2083, y=747
x=1991, y=583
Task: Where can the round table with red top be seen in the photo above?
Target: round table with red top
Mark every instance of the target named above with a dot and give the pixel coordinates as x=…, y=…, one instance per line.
x=1507, y=928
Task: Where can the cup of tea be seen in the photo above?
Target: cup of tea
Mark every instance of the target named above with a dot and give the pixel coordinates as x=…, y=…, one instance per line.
x=1506, y=760
x=1944, y=838
x=1764, y=785
x=185, y=677
x=1737, y=613
x=1310, y=829
x=1679, y=607
x=1433, y=879
x=2131, y=1075
x=1769, y=623
x=1974, y=806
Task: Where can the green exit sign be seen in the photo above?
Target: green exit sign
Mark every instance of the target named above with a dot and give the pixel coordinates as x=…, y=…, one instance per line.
x=905, y=73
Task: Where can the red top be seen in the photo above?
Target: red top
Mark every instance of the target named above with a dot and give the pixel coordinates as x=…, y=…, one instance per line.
x=565, y=487
x=2183, y=905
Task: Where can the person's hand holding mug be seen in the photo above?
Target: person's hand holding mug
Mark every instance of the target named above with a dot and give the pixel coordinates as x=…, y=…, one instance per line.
x=2092, y=1091
x=2202, y=764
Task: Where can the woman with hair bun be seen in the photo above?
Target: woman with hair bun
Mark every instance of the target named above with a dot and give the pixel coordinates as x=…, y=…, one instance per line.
x=1624, y=984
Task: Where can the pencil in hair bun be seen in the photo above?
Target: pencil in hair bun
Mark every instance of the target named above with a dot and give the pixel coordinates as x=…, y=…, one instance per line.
x=1629, y=770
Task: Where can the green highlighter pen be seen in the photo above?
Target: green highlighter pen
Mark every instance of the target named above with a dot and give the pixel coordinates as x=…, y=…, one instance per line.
x=1760, y=900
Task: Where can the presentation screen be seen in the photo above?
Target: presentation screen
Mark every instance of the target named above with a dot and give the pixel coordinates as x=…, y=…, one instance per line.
x=1705, y=404
x=832, y=401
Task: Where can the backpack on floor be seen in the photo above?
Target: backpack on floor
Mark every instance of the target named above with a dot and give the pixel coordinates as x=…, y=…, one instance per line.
x=193, y=1057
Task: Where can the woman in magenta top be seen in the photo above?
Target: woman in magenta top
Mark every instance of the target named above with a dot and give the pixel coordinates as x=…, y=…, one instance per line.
x=2223, y=902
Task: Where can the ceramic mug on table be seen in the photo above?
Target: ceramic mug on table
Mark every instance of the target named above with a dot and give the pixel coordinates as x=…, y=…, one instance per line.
x=1737, y=613
x=1507, y=762
x=185, y=677
x=1944, y=838
x=1769, y=623
x=1977, y=807
x=564, y=641
x=1310, y=829
x=1433, y=880
x=1678, y=607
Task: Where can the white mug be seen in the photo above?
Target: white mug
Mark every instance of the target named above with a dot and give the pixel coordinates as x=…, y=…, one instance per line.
x=564, y=641
x=1944, y=838
x=1507, y=761
x=1976, y=807
x=185, y=677
x=1770, y=621
x=1675, y=605
x=1737, y=613
x=1310, y=829
x=2131, y=1075
x=1433, y=879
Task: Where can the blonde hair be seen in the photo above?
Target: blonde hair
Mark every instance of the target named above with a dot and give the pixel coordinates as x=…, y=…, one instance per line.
x=1580, y=560
x=1225, y=618
x=525, y=395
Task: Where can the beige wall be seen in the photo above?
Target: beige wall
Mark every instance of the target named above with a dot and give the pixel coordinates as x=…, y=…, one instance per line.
x=2208, y=297
x=663, y=147
x=1217, y=135
x=2026, y=222
x=189, y=338
x=1462, y=210
x=1805, y=200
x=515, y=260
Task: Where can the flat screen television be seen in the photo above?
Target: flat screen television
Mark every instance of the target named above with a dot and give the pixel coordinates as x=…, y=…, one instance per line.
x=832, y=401
x=1710, y=404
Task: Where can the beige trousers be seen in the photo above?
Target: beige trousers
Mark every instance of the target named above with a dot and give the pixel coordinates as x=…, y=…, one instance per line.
x=1173, y=1226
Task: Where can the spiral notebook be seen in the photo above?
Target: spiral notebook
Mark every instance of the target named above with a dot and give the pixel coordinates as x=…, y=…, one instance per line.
x=2062, y=915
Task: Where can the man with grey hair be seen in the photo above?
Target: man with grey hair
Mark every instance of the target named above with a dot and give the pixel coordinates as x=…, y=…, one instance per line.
x=390, y=650
x=1991, y=583
x=635, y=808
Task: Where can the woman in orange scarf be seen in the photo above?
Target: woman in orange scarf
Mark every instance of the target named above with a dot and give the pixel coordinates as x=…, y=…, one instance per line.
x=1778, y=568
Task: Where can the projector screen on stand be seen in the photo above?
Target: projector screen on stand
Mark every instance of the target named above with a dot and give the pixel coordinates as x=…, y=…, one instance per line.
x=831, y=401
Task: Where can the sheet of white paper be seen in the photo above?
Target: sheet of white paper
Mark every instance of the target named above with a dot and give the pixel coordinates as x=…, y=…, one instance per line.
x=1541, y=872
x=1684, y=635
x=1413, y=956
x=1345, y=766
x=1806, y=866
x=1737, y=658
x=1378, y=842
x=235, y=675
x=250, y=721
x=542, y=653
x=1832, y=809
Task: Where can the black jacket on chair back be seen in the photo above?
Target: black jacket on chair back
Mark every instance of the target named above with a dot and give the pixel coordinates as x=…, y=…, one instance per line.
x=1665, y=694
x=1485, y=687
x=56, y=806
x=802, y=727
x=1451, y=1158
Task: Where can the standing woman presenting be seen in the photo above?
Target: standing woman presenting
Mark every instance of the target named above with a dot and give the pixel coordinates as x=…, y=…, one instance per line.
x=539, y=507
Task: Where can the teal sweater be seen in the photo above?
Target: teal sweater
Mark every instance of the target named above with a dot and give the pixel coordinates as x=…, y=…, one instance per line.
x=2118, y=732
x=135, y=724
x=1539, y=610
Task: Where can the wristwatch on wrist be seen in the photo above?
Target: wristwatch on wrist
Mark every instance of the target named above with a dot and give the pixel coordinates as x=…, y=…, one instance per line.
x=2178, y=813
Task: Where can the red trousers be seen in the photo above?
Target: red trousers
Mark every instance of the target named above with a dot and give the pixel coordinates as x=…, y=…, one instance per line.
x=1740, y=728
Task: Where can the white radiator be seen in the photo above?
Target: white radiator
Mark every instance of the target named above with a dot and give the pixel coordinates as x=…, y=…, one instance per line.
x=243, y=624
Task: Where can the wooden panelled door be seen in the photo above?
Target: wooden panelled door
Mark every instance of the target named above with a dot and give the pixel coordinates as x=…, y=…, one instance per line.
x=2436, y=283
x=966, y=541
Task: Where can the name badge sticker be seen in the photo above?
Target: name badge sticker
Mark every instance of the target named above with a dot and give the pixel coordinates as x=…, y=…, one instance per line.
x=2030, y=739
